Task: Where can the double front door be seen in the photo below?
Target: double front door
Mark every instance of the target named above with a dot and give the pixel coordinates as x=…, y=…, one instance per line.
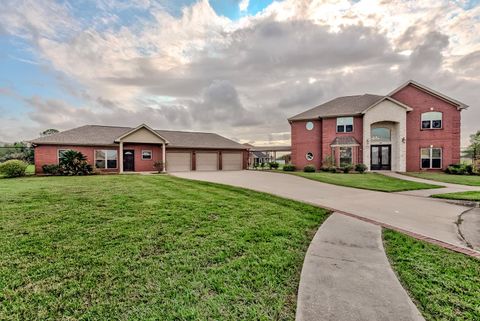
x=381, y=157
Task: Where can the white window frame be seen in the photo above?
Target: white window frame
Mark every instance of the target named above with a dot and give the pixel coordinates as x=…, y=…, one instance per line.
x=430, y=158
x=431, y=121
x=58, y=154
x=306, y=156
x=309, y=124
x=345, y=125
x=106, y=158
x=151, y=154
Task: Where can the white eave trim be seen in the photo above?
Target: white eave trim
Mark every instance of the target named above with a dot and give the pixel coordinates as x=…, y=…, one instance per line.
x=407, y=108
x=435, y=93
x=119, y=138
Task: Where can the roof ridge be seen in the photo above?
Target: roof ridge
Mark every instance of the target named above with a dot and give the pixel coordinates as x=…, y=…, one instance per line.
x=165, y=130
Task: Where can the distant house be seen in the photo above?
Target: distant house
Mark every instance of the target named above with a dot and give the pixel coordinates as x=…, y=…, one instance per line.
x=126, y=149
x=412, y=128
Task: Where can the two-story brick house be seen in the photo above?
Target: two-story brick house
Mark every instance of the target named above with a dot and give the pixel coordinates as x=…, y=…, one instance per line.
x=411, y=129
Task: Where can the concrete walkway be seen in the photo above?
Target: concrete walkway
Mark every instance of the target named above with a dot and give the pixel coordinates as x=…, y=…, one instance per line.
x=428, y=217
x=346, y=276
x=449, y=188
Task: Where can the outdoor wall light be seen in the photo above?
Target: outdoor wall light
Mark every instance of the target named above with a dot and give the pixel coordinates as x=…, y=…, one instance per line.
x=403, y=140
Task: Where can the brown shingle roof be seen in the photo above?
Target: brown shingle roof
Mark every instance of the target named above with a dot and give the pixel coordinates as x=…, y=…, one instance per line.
x=344, y=140
x=347, y=105
x=96, y=135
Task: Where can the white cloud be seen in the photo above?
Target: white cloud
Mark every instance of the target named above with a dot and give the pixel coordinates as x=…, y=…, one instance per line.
x=245, y=78
x=243, y=5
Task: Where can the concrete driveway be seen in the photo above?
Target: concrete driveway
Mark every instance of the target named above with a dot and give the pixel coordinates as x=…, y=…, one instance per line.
x=429, y=217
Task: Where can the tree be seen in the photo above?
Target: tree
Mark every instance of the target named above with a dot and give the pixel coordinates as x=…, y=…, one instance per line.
x=473, y=151
x=74, y=163
x=49, y=131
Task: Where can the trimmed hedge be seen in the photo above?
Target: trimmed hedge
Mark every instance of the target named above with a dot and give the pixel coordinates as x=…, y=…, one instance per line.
x=289, y=168
x=309, y=169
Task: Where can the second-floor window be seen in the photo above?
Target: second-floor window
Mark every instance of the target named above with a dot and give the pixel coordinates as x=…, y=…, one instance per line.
x=344, y=124
x=432, y=120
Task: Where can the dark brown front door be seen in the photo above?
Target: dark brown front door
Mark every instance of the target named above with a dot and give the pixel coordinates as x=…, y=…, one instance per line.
x=128, y=160
x=381, y=157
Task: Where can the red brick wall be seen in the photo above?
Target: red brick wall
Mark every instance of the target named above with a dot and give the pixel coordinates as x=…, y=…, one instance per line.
x=145, y=165
x=329, y=133
x=48, y=154
x=304, y=141
x=448, y=138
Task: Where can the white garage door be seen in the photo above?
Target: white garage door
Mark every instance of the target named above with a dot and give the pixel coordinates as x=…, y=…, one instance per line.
x=206, y=161
x=232, y=161
x=178, y=162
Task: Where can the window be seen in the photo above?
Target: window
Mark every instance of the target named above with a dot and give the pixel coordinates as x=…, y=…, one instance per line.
x=345, y=155
x=106, y=158
x=344, y=124
x=60, y=154
x=381, y=134
x=146, y=154
x=309, y=156
x=309, y=125
x=431, y=158
x=432, y=120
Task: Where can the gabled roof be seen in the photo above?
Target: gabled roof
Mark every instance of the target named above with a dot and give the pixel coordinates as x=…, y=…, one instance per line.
x=389, y=99
x=430, y=91
x=118, y=139
x=341, y=106
x=97, y=135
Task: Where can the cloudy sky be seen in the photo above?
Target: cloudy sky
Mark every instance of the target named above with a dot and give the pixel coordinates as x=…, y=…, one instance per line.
x=236, y=67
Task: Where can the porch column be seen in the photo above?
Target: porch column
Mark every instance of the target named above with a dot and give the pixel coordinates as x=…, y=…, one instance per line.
x=164, y=159
x=120, y=157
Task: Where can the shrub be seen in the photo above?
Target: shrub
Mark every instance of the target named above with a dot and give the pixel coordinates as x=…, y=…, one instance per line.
x=332, y=169
x=309, y=169
x=262, y=165
x=328, y=161
x=361, y=168
x=347, y=168
x=324, y=169
x=158, y=166
x=273, y=165
x=51, y=169
x=13, y=168
x=289, y=168
x=74, y=163
x=460, y=169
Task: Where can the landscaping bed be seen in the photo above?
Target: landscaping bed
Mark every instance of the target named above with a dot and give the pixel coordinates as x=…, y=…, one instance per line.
x=471, y=180
x=148, y=247
x=370, y=181
x=444, y=285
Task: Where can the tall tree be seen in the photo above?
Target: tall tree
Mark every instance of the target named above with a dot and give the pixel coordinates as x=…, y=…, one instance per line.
x=473, y=150
x=49, y=131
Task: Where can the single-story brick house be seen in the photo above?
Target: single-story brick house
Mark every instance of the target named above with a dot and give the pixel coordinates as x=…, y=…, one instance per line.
x=126, y=149
x=413, y=128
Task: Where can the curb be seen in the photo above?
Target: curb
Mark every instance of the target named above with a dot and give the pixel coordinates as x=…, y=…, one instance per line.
x=417, y=236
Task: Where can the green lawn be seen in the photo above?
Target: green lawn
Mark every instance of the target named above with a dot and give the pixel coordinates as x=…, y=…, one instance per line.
x=371, y=181
x=472, y=180
x=445, y=285
x=112, y=247
x=465, y=196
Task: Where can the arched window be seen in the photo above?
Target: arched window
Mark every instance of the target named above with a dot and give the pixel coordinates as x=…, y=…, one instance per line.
x=381, y=134
x=432, y=120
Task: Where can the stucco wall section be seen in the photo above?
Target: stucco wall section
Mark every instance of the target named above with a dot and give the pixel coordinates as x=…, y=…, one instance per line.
x=387, y=111
x=304, y=141
x=448, y=138
x=142, y=135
